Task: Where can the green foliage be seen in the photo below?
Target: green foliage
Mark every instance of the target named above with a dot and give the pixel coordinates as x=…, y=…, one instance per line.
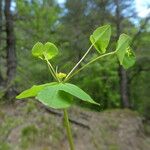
x=50, y=50
x=56, y=95
x=37, y=22
x=54, y=98
x=124, y=53
x=45, y=21
x=37, y=50
x=129, y=59
x=140, y=82
x=33, y=91
x=104, y=77
x=122, y=46
x=76, y=91
x=100, y=38
x=59, y=95
x=46, y=51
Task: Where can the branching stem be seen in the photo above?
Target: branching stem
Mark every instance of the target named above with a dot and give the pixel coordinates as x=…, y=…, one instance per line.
x=90, y=62
x=78, y=62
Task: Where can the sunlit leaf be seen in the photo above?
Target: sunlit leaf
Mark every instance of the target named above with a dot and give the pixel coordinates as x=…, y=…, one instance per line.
x=37, y=49
x=129, y=59
x=122, y=45
x=52, y=97
x=101, y=37
x=77, y=92
x=33, y=91
x=50, y=50
x=46, y=51
x=60, y=95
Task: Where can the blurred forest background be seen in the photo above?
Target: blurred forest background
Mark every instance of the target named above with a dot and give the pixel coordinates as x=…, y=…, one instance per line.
x=69, y=25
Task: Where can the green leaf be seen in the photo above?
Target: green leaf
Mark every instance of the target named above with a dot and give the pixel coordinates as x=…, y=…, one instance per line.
x=122, y=45
x=33, y=91
x=129, y=59
x=37, y=49
x=46, y=51
x=56, y=95
x=50, y=50
x=52, y=97
x=101, y=37
x=77, y=92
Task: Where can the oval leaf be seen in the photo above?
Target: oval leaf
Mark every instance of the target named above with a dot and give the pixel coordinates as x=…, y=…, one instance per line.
x=50, y=50
x=37, y=50
x=122, y=45
x=33, y=91
x=101, y=37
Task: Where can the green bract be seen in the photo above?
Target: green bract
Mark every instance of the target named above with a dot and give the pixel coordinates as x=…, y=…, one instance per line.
x=101, y=37
x=122, y=45
x=50, y=50
x=124, y=53
x=46, y=51
x=129, y=59
x=37, y=49
x=56, y=95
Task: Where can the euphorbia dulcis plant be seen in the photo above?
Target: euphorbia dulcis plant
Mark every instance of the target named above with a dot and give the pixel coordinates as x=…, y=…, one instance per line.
x=60, y=94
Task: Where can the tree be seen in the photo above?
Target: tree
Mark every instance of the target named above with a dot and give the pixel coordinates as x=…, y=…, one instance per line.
x=35, y=20
x=75, y=27
x=1, y=18
x=10, y=49
x=139, y=76
x=121, y=8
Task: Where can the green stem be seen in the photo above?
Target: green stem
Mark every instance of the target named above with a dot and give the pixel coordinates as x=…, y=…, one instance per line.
x=52, y=70
x=101, y=56
x=69, y=74
x=68, y=130
x=79, y=62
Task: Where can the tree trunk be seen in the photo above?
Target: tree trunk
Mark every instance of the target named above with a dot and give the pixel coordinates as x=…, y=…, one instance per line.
x=10, y=50
x=1, y=79
x=0, y=20
x=124, y=87
x=124, y=94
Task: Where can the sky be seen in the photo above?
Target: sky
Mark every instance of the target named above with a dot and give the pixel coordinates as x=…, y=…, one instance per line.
x=141, y=6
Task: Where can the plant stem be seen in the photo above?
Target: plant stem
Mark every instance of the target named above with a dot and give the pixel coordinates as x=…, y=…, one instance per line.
x=52, y=70
x=82, y=58
x=79, y=62
x=68, y=130
x=90, y=62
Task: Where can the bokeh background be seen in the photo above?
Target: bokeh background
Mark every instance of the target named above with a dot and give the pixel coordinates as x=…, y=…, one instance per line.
x=123, y=94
